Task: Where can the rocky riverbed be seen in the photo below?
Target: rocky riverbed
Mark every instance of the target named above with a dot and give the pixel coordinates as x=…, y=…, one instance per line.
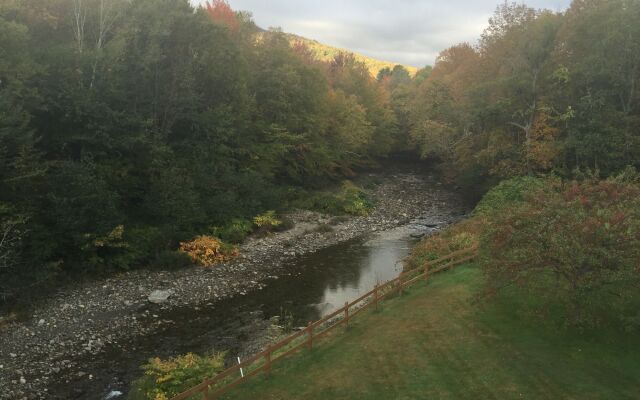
x=78, y=324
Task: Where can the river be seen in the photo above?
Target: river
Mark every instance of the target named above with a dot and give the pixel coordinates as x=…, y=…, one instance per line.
x=311, y=286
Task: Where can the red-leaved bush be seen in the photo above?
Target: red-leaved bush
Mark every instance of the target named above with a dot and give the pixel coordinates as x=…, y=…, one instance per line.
x=574, y=246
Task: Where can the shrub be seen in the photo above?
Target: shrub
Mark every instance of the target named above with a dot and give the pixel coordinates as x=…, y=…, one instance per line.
x=327, y=203
x=575, y=246
x=125, y=247
x=463, y=235
x=207, y=250
x=350, y=199
x=355, y=200
x=235, y=232
x=267, y=222
x=507, y=193
x=144, y=242
x=164, y=379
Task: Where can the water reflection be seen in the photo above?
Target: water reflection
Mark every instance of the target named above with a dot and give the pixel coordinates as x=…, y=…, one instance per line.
x=335, y=275
x=380, y=262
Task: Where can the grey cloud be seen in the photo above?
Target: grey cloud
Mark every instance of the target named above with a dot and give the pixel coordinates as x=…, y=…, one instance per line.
x=410, y=32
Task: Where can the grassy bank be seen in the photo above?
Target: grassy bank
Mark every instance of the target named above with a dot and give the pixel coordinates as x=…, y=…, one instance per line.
x=437, y=343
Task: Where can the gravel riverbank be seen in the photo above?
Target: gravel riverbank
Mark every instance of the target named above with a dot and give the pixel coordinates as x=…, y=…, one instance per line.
x=79, y=322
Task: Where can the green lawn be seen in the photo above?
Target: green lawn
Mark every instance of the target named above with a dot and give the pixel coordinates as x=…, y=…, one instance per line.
x=434, y=343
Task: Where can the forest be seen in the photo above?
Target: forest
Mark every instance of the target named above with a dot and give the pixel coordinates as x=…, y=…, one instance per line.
x=128, y=126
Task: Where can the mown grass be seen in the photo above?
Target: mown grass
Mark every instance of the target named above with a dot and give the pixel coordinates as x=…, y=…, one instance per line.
x=436, y=343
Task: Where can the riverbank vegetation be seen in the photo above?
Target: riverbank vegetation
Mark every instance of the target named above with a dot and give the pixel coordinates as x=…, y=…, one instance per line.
x=164, y=379
x=573, y=246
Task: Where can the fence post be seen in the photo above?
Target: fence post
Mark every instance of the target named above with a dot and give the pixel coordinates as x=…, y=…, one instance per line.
x=267, y=362
x=346, y=314
x=310, y=334
x=375, y=297
x=205, y=393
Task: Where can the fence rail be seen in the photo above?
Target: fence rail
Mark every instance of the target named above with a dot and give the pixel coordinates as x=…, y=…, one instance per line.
x=214, y=387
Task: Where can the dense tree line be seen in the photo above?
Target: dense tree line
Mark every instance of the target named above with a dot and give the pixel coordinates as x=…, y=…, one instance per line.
x=547, y=104
x=541, y=91
x=129, y=125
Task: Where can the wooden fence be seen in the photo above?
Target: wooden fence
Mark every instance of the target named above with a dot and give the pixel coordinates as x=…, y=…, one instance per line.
x=213, y=388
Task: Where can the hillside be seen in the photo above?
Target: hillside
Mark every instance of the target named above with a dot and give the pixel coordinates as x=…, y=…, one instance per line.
x=325, y=52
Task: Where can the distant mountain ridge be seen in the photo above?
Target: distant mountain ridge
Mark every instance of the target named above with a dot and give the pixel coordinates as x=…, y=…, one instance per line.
x=325, y=52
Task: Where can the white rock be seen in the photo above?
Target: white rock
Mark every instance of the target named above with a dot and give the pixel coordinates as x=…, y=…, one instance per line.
x=22, y=380
x=160, y=296
x=113, y=394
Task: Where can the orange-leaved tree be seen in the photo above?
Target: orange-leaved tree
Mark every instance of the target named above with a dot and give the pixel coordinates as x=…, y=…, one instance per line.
x=222, y=13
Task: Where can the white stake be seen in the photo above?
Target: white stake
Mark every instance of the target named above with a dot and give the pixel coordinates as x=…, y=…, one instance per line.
x=241, y=371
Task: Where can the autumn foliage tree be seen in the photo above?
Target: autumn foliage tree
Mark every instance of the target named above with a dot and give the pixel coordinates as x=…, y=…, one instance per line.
x=573, y=246
x=221, y=12
x=540, y=91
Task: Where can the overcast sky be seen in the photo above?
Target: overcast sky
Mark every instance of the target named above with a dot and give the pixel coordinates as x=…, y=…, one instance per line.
x=410, y=32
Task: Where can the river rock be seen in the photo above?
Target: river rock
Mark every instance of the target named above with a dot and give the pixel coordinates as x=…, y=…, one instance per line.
x=428, y=223
x=160, y=296
x=113, y=394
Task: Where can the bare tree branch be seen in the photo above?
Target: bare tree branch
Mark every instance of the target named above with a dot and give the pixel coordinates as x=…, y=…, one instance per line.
x=106, y=20
x=79, y=20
